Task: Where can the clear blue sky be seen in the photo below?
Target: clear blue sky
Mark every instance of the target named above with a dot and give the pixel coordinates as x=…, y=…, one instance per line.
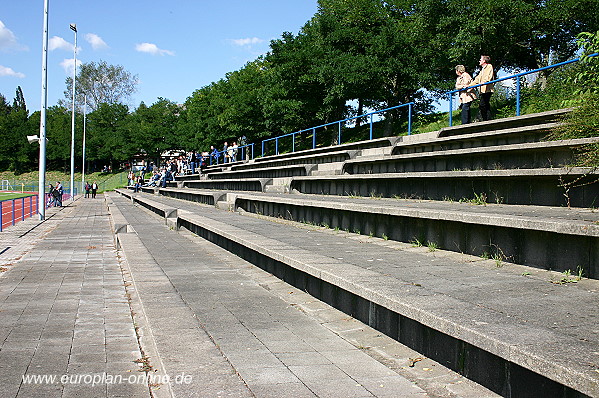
x=174, y=47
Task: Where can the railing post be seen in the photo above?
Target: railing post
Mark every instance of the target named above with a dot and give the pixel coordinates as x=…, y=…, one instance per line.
x=276, y=145
x=410, y=118
x=518, y=96
x=1, y=213
x=339, y=139
x=252, y=151
x=13, y=212
x=371, y=126
x=313, y=138
x=31, y=206
x=23, y=209
x=293, y=142
x=451, y=109
x=262, y=148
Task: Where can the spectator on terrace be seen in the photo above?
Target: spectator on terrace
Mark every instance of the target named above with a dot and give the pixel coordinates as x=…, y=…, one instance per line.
x=192, y=161
x=213, y=154
x=154, y=180
x=138, y=184
x=466, y=96
x=226, y=153
x=94, y=189
x=233, y=152
x=485, y=75
x=51, y=200
x=58, y=192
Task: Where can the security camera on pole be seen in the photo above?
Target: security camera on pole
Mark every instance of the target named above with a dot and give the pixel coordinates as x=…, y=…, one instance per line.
x=74, y=29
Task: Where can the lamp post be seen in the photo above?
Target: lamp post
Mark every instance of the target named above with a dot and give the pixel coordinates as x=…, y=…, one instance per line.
x=83, y=162
x=74, y=29
x=41, y=205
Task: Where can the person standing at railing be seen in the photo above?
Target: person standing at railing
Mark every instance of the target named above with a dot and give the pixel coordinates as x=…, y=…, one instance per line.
x=58, y=192
x=227, y=158
x=485, y=75
x=466, y=96
x=213, y=154
x=243, y=144
x=51, y=200
x=233, y=152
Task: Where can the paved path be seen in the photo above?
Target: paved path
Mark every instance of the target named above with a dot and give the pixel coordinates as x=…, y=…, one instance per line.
x=253, y=319
x=521, y=313
x=63, y=309
x=79, y=318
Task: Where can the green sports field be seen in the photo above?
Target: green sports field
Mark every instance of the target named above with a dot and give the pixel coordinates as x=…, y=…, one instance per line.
x=12, y=195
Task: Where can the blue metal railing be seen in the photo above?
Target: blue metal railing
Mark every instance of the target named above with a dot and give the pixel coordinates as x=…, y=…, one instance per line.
x=340, y=124
x=214, y=157
x=15, y=210
x=517, y=76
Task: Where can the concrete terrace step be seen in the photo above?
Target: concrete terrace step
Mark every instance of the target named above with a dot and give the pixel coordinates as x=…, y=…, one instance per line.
x=510, y=156
x=241, y=184
x=359, y=145
x=543, y=187
x=266, y=172
x=504, y=123
x=507, y=328
x=434, y=142
x=278, y=339
x=547, y=238
x=543, y=237
x=320, y=158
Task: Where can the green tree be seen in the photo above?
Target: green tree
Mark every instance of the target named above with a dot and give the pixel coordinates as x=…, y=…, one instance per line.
x=18, y=103
x=100, y=83
x=58, y=133
x=153, y=130
x=108, y=141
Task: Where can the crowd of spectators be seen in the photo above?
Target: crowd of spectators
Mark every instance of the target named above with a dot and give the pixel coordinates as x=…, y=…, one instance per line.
x=192, y=163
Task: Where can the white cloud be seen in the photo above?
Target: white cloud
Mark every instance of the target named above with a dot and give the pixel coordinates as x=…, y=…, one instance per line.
x=8, y=40
x=58, y=43
x=96, y=41
x=68, y=64
x=4, y=71
x=247, y=41
x=153, y=49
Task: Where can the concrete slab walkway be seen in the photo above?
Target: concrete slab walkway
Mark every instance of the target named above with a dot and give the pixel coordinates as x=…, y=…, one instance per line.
x=521, y=314
x=170, y=314
x=281, y=341
x=64, y=318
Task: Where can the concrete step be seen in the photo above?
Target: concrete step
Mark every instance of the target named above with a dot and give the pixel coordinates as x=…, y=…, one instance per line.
x=278, y=185
x=512, y=156
x=375, y=152
x=546, y=187
x=319, y=158
x=510, y=328
x=266, y=172
x=507, y=136
x=506, y=123
x=241, y=184
x=335, y=168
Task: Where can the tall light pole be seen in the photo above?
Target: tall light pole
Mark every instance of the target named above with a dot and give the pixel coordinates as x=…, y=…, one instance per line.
x=41, y=205
x=83, y=162
x=74, y=29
